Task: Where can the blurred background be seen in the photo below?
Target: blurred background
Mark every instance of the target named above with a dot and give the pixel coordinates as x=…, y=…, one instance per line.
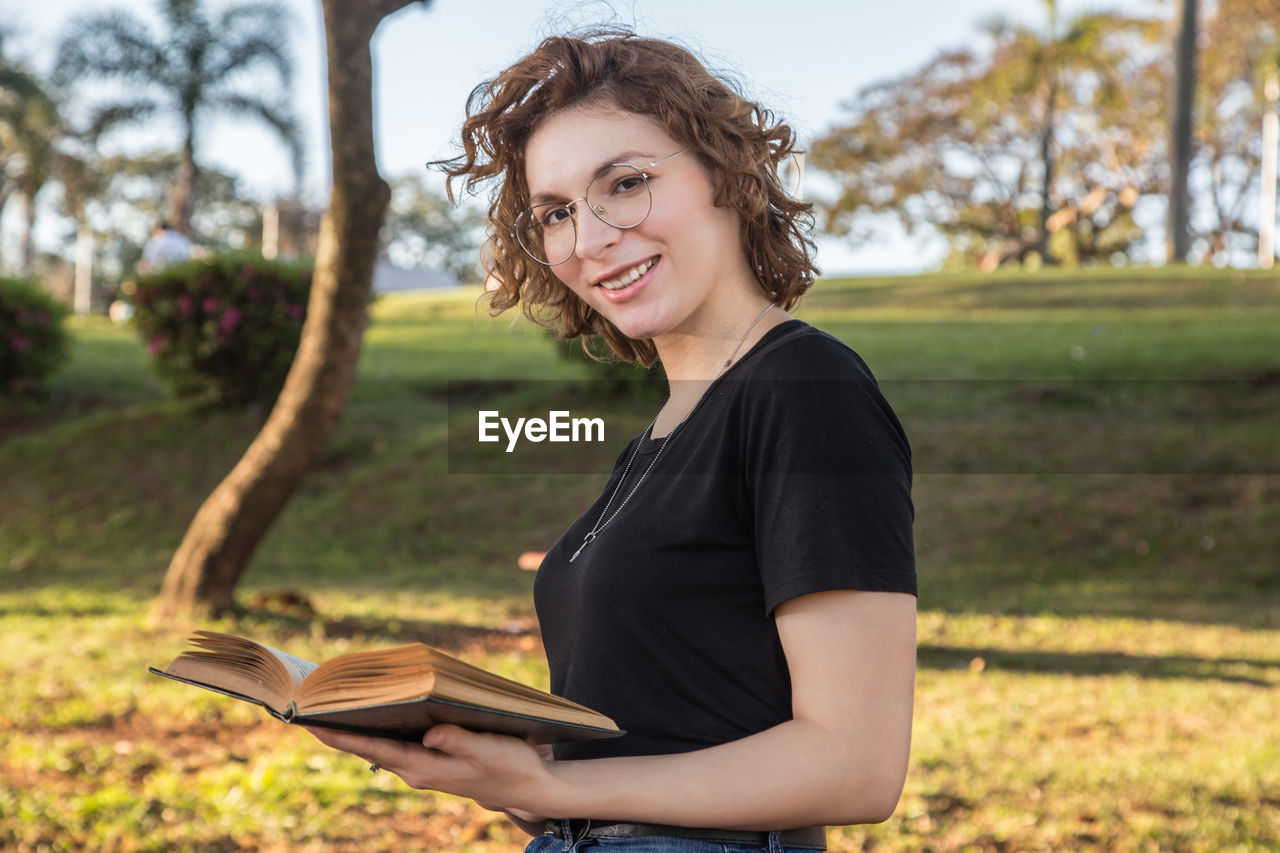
x=1047, y=226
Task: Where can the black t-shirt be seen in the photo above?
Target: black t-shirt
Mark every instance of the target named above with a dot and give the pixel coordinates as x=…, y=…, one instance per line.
x=791, y=476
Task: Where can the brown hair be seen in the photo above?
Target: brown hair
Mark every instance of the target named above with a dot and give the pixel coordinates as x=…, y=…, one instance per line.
x=738, y=141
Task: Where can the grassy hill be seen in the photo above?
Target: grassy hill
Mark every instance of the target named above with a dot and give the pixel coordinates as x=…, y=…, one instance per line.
x=1098, y=500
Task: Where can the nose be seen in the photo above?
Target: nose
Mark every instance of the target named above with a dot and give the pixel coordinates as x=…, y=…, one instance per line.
x=595, y=236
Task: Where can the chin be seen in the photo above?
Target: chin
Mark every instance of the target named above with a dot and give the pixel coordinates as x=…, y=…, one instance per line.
x=636, y=327
x=640, y=331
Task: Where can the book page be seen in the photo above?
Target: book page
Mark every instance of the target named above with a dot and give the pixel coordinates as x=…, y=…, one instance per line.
x=238, y=665
x=297, y=668
x=417, y=671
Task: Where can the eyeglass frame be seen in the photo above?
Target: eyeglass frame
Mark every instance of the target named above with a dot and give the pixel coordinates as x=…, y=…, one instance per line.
x=515, y=231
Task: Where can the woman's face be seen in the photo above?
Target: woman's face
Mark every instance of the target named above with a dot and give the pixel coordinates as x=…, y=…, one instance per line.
x=688, y=252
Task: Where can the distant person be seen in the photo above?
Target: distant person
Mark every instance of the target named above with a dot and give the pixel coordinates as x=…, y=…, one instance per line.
x=166, y=246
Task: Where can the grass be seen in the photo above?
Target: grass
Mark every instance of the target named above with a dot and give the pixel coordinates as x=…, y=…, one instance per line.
x=1098, y=514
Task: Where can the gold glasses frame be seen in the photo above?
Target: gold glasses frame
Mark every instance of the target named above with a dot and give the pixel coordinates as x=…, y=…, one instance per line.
x=528, y=216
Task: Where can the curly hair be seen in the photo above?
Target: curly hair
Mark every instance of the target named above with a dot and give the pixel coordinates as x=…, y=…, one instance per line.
x=739, y=143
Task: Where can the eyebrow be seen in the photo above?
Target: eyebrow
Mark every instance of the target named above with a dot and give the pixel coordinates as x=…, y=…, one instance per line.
x=621, y=157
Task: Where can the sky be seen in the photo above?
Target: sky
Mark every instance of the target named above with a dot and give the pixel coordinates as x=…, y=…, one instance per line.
x=801, y=58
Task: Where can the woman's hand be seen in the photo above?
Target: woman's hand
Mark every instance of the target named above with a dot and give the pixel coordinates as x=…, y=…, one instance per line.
x=534, y=824
x=500, y=773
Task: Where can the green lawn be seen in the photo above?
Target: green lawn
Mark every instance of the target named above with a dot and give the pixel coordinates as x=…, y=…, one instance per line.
x=1098, y=519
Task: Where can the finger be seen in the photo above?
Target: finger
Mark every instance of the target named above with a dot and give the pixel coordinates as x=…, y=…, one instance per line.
x=384, y=752
x=449, y=738
x=345, y=741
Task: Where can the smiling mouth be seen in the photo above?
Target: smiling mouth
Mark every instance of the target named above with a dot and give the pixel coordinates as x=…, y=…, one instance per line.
x=628, y=277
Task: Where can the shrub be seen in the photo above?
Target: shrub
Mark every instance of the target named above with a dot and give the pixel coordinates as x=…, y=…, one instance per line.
x=223, y=330
x=610, y=376
x=33, y=342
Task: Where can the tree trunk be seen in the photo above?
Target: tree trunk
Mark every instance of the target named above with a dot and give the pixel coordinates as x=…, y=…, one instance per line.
x=1178, y=238
x=1046, y=163
x=1267, y=194
x=182, y=198
x=26, y=240
x=5, y=194
x=203, y=574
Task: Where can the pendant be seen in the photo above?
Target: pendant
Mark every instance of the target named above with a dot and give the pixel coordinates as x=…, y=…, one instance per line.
x=586, y=540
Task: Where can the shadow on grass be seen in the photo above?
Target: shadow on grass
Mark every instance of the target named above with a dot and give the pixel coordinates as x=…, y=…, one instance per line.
x=450, y=636
x=1256, y=672
x=453, y=637
x=61, y=611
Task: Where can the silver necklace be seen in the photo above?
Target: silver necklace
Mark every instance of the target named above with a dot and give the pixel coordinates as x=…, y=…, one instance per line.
x=601, y=521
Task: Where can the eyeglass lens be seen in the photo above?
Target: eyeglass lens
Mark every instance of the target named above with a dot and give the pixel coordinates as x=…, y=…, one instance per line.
x=618, y=196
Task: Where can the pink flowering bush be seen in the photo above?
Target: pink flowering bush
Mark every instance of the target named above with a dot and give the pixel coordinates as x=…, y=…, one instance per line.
x=33, y=342
x=223, y=329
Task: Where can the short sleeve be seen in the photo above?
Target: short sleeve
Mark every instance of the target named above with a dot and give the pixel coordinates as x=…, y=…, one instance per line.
x=828, y=469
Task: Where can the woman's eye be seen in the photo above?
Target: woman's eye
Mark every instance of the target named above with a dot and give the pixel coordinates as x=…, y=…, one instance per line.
x=555, y=216
x=628, y=185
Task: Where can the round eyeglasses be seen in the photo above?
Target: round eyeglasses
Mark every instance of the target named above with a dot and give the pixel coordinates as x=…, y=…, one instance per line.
x=618, y=195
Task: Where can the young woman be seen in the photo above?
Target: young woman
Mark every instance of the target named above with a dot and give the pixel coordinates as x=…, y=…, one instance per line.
x=741, y=598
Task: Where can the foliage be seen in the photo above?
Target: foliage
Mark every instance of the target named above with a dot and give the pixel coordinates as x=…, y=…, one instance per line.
x=202, y=65
x=1044, y=143
x=224, y=330
x=123, y=196
x=225, y=220
x=30, y=127
x=423, y=229
x=1241, y=41
x=609, y=375
x=33, y=342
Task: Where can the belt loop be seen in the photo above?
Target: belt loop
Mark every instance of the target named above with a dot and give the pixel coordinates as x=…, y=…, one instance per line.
x=775, y=842
x=571, y=840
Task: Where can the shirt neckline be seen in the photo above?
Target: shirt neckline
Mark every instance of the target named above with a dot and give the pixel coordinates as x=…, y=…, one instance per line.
x=651, y=445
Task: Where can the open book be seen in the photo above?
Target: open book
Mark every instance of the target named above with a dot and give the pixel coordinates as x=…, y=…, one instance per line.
x=398, y=692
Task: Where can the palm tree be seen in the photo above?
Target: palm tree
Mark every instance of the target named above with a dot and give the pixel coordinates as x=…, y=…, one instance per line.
x=200, y=66
x=29, y=133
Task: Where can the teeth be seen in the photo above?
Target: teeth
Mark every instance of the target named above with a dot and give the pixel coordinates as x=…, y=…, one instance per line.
x=629, y=276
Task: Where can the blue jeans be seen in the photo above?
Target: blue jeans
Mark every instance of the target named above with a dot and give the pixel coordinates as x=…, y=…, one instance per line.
x=549, y=843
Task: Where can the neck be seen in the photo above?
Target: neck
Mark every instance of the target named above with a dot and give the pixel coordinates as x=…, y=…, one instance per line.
x=699, y=359
x=700, y=354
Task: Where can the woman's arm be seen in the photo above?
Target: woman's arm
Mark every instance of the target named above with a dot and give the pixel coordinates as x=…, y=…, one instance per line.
x=842, y=759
